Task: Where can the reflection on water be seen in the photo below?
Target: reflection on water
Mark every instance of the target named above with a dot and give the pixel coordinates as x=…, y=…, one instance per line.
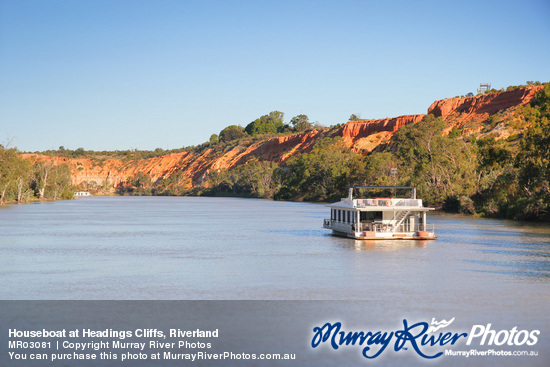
x=380, y=245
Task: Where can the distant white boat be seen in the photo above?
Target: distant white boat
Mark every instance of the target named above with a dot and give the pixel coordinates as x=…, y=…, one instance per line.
x=82, y=194
x=380, y=218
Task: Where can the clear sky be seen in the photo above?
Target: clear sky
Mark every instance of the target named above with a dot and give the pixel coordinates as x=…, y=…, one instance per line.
x=146, y=74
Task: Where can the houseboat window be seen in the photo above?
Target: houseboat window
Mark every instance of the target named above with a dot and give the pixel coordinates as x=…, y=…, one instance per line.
x=332, y=214
x=370, y=216
x=339, y=216
x=349, y=220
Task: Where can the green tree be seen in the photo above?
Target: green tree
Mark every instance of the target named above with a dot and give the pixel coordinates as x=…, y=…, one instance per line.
x=174, y=185
x=269, y=123
x=533, y=160
x=14, y=172
x=137, y=185
x=301, y=122
x=257, y=178
x=80, y=152
x=354, y=117
x=442, y=167
x=59, y=183
x=378, y=169
x=322, y=174
x=232, y=132
x=496, y=176
x=42, y=174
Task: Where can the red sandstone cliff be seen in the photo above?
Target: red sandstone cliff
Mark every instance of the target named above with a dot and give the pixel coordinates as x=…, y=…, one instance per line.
x=457, y=112
x=366, y=135
x=361, y=136
x=194, y=165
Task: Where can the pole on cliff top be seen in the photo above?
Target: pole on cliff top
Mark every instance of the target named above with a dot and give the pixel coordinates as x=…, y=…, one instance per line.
x=484, y=87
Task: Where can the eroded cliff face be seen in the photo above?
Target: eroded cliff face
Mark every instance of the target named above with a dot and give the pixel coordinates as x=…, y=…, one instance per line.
x=113, y=171
x=469, y=113
x=361, y=136
x=366, y=135
x=193, y=165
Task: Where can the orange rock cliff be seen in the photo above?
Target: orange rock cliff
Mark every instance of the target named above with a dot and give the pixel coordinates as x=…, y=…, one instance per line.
x=361, y=136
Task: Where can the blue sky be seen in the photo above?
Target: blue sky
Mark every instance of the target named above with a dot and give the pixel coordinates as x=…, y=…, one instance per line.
x=115, y=75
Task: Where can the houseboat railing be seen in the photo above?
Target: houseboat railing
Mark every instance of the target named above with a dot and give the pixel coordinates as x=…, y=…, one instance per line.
x=385, y=228
x=405, y=227
x=388, y=202
x=378, y=227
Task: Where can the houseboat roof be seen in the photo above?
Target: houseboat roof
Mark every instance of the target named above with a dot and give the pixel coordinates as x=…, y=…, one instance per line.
x=381, y=204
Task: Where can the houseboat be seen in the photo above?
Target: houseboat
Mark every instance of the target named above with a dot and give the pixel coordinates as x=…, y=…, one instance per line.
x=386, y=218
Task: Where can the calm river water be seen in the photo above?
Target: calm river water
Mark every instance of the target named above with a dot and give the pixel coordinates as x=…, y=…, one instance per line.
x=225, y=248
x=163, y=248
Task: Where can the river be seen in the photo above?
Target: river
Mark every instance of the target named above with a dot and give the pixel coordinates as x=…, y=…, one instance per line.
x=195, y=248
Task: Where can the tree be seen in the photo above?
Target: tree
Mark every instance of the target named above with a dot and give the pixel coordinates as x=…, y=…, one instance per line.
x=213, y=139
x=269, y=123
x=322, y=174
x=60, y=182
x=258, y=127
x=254, y=178
x=354, y=117
x=13, y=170
x=79, y=152
x=378, y=169
x=533, y=159
x=43, y=170
x=276, y=117
x=301, y=122
x=495, y=175
x=138, y=185
x=232, y=132
x=442, y=167
x=174, y=185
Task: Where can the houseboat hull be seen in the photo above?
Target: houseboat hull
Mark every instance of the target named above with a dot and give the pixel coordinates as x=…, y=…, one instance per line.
x=369, y=235
x=391, y=236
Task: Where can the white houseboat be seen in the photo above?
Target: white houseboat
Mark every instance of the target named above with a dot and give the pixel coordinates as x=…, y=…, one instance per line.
x=380, y=218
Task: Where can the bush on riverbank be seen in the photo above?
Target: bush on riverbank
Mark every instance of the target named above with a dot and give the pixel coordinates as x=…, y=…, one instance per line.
x=22, y=182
